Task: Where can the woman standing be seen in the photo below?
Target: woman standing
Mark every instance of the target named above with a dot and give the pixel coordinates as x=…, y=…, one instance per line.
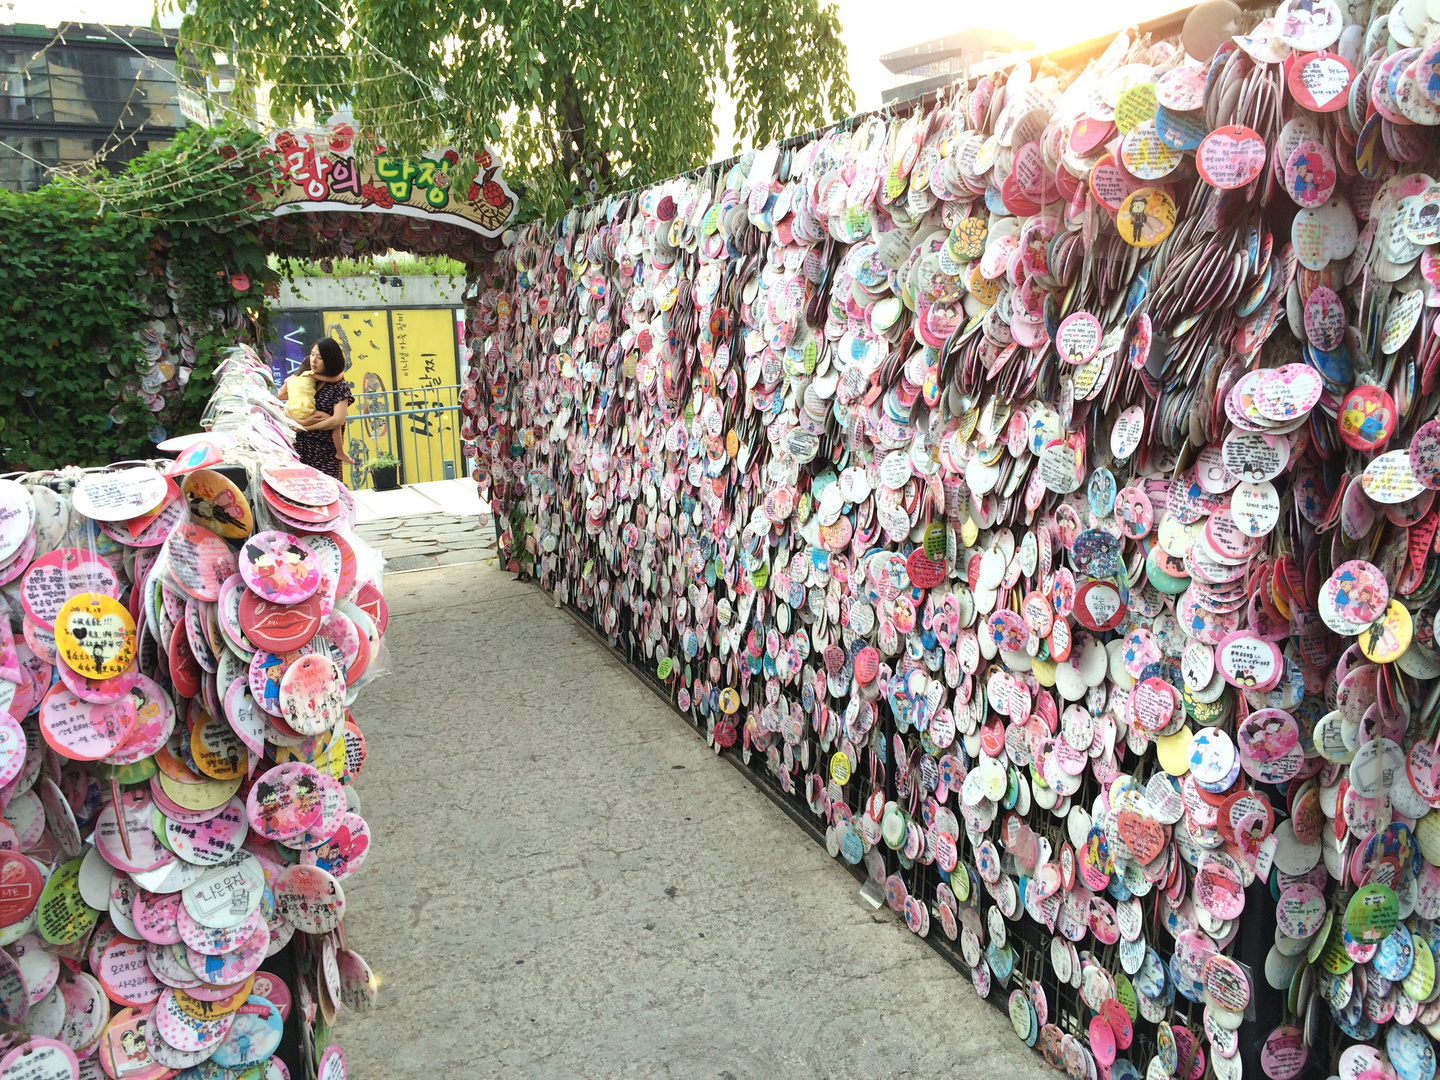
x=318, y=445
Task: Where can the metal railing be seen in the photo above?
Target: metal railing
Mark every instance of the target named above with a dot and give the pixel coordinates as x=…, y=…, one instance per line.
x=419, y=427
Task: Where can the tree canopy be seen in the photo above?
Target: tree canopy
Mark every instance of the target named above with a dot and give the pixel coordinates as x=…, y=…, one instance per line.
x=592, y=96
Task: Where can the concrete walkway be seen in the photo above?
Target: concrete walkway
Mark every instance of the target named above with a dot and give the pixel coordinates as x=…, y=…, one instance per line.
x=421, y=526
x=430, y=540
x=459, y=497
x=566, y=882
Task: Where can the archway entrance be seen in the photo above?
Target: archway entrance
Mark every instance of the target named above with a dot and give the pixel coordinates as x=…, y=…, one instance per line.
x=403, y=353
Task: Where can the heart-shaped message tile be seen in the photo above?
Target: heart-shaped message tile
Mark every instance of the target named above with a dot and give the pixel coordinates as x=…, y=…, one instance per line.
x=1145, y=837
x=1320, y=82
x=1154, y=704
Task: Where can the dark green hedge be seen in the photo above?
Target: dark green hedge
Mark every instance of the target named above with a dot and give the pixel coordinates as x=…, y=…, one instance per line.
x=83, y=267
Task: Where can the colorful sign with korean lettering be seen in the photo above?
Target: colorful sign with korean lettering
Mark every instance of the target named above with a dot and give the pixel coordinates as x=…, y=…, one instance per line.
x=322, y=173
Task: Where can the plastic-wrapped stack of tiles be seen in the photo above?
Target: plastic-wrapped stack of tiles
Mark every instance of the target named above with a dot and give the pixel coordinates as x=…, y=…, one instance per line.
x=179, y=642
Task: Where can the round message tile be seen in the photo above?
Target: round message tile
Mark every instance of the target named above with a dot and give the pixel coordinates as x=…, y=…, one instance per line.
x=332, y=1064
x=20, y=886
x=217, y=748
x=1226, y=984
x=370, y=600
x=312, y=695
x=83, y=731
x=1288, y=392
x=225, y=895
x=144, y=850
x=1367, y=418
x=1231, y=157
x=1411, y=1053
x=196, y=797
x=245, y=718
x=40, y=1058
x=286, y=801
x=226, y=969
x=1249, y=662
x=14, y=999
x=162, y=1054
x=13, y=567
x=199, y=561
x=1146, y=155
x=279, y=567
x=1212, y=757
x=1425, y=454
x=12, y=751
x=122, y=1049
x=1357, y=593
x=95, y=635
x=63, y=916
x=210, y=842
x=1146, y=217
x=207, y=941
x=254, y=1036
x=1386, y=639
x=1219, y=889
x=1125, y=436
x=217, y=504
x=1098, y=606
x=1255, y=507
x=1320, y=82
x=337, y=555
x=1079, y=337
x=38, y=967
x=1390, y=479
x=155, y=917
x=299, y=516
x=121, y=495
x=1255, y=457
x=301, y=483
x=1372, y=913
x=17, y=517
x=125, y=974
x=99, y=691
x=1324, y=323
x=206, y=1002
x=54, y=578
x=358, y=986
x=1310, y=174
x=186, y=1032
x=1301, y=910
x=310, y=898
x=342, y=854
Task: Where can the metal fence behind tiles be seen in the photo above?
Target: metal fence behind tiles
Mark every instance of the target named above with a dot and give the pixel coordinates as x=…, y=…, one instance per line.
x=420, y=427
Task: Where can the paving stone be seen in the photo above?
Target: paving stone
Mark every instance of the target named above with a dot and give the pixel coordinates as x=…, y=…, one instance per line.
x=410, y=562
x=461, y=555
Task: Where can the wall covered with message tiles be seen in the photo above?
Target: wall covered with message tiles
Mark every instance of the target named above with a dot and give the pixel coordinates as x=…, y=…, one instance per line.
x=1036, y=492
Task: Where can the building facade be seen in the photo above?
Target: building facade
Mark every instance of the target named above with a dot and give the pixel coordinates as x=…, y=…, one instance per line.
x=84, y=93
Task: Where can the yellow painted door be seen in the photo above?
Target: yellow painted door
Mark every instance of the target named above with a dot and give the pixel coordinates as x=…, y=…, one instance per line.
x=426, y=361
x=365, y=337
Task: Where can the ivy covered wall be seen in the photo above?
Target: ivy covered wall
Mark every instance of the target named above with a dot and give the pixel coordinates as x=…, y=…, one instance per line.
x=116, y=294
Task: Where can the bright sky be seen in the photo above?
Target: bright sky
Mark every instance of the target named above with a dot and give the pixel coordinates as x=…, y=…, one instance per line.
x=870, y=27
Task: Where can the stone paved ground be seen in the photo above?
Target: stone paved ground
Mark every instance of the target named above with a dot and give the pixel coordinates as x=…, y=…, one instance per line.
x=420, y=542
x=566, y=882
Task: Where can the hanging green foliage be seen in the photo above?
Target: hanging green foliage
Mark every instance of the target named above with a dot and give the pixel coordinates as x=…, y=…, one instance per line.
x=95, y=264
x=578, y=97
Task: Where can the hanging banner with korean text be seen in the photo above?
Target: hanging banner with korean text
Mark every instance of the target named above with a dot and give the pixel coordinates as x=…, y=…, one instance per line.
x=321, y=172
